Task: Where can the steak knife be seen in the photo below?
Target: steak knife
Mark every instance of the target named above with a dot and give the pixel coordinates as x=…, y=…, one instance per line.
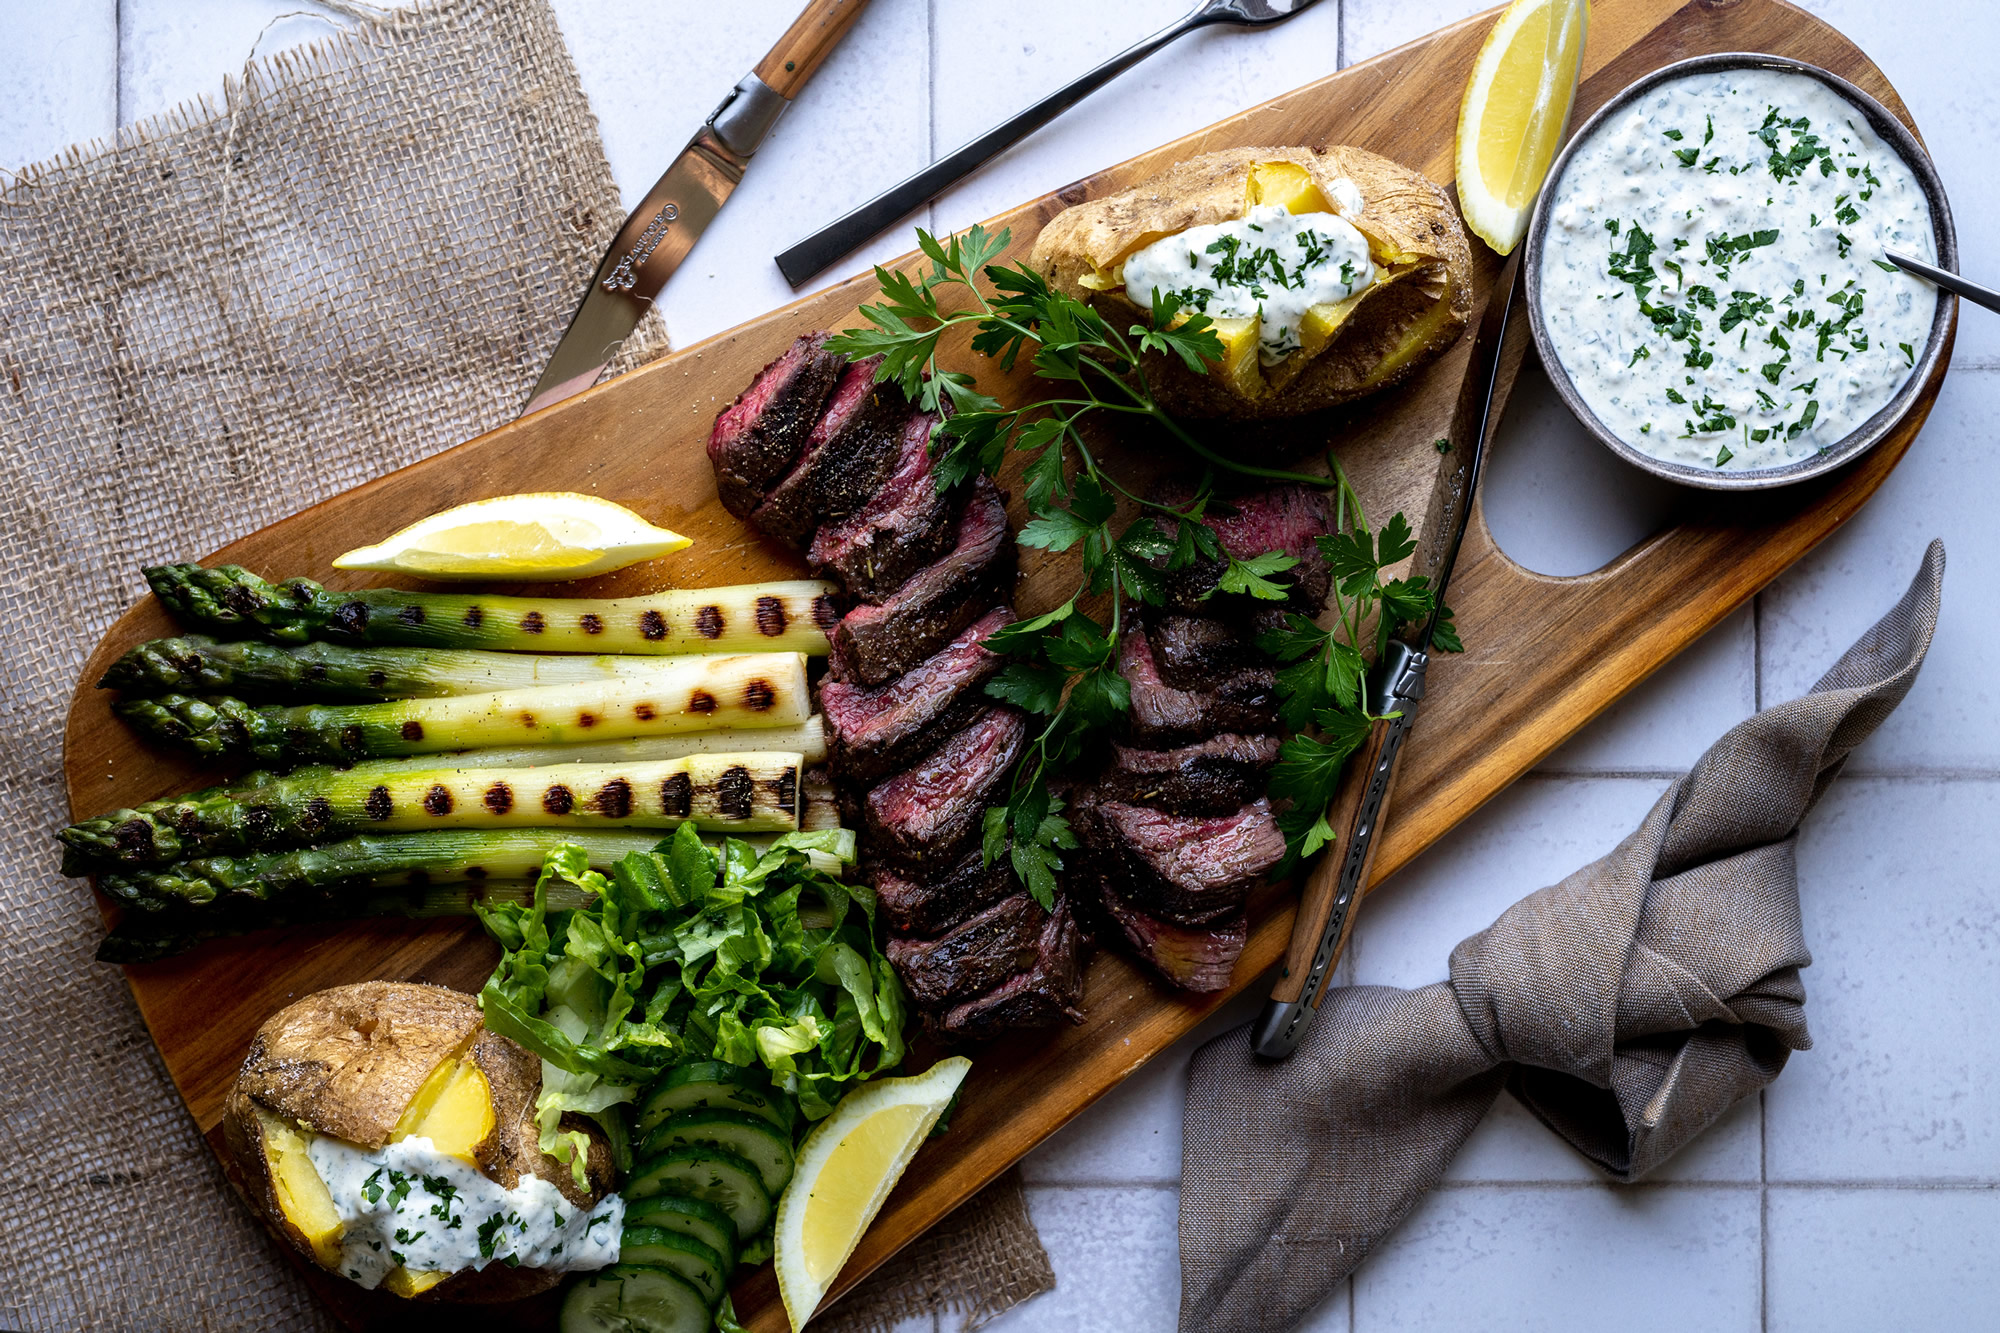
x=1393, y=690
x=677, y=210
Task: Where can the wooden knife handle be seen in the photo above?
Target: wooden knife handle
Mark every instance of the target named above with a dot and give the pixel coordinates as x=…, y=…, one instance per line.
x=1333, y=891
x=1354, y=820
x=806, y=44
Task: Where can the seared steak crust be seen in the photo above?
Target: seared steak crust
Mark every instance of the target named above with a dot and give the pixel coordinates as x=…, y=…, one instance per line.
x=1187, y=869
x=1194, y=958
x=942, y=898
x=973, y=957
x=876, y=732
x=1046, y=991
x=757, y=438
x=873, y=644
x=851, y=449
x=1211, y=777
x=930, y=814
x=1244, y=701
x=907, y=524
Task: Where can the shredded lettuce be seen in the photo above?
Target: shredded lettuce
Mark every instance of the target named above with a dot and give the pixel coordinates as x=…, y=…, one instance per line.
x=694, y=952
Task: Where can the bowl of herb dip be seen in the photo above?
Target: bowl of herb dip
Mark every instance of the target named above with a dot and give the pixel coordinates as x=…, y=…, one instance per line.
x=1706, y=284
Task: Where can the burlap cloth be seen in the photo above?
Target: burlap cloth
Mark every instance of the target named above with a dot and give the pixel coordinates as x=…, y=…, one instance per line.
x=362, y=255
x=1628, y=1007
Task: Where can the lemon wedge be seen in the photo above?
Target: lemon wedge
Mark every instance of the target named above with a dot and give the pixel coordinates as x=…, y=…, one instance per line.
x=553, y=535
x=1515, y=111
x=846, y=1168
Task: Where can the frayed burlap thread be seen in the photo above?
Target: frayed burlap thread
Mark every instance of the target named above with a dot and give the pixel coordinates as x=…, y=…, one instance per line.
x=363, y=254
x=978, y=1263
x=1628, y=1007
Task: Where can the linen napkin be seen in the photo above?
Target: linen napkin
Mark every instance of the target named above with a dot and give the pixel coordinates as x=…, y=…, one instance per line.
x=1628, y=1007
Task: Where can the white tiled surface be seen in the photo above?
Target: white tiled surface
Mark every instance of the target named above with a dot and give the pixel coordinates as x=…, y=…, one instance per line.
x=1863, y=1190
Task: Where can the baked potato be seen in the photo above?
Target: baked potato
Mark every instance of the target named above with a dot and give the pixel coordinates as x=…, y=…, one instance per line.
x=1404, y=307
x=370, y=1065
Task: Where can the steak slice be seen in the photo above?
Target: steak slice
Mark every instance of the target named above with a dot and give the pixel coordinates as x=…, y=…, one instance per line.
x=974, y=957
x=876, y=732
x=1210, y=777
x=1196, y=652
x=942, y=899
x=930, y=814
x=1035, y=997
x=905, y=526
x=1277, y=518
x=1188, y=869
x=1193, y=958
x=851, y=449
x=873, y=644
x=1244, y=702
x=757, y=437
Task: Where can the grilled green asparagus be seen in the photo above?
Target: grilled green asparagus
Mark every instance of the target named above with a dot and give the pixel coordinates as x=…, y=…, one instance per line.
x=374, y=862
x=792, y=615
x=335, y=673
x=145, y=937
x=739, y=793
x=753, y=690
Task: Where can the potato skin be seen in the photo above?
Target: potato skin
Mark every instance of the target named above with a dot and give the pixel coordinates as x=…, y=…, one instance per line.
x=347, y=1062
x=1406, y=217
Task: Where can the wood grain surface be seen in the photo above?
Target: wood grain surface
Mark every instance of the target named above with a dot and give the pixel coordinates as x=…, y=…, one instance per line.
x=1544, y=655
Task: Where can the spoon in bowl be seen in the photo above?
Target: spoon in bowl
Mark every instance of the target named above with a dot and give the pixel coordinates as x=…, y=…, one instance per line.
x=1946, y=279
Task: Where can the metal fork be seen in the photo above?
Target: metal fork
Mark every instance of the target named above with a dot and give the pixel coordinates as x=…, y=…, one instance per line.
x=823, y=247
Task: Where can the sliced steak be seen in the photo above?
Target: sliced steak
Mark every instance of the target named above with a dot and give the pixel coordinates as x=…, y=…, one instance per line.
x=757, y=438
x=1278, y=518
x=851, y=449
x=942, y=898
x=974, y=957
x=1189, y=869
x=1036, y=997
x=1211, y=777
x=1194, y=958
x=930, y=814
x=877, y=732
x=905, y=526
x=1196, y=652
x=1243, y=701
x=873, y=644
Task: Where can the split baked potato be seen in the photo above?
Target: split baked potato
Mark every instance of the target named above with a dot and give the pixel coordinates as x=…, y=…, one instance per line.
x=1417, y=304
x=382, y=1061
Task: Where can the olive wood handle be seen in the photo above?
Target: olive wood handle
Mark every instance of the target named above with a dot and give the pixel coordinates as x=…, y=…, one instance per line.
x=1347, y=812
x=806, y=44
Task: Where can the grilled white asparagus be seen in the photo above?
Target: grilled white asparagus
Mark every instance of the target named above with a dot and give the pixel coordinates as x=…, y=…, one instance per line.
x=737, y=793
x=695, y=694
x=791, y=615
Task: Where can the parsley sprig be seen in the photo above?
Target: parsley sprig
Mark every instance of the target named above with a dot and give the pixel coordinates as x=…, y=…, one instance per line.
x=1063, y=664
x=1321, y=692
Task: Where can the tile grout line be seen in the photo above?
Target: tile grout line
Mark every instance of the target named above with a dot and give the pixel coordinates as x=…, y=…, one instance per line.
x=117, y=65
x=931, y=109
x=1764, y=1210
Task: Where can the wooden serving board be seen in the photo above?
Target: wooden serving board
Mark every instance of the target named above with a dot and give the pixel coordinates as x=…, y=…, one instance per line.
x=1545, y=655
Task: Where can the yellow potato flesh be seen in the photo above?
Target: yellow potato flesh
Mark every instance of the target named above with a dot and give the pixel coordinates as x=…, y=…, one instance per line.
x=1285, y=183
x=406, y=1283
x=302, y=1195
x=1239, y=366
x=454, y=1110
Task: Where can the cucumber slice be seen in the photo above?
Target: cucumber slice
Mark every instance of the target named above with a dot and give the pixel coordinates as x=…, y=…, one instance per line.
x=628, y=1299
x=750, y=1137
x=711, y=1175
x=711, y=1083
x=657, y=1247
x=691, y=1217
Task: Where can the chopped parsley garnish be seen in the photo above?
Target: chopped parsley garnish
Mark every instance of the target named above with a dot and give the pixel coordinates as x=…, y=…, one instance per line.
x=1908, y=354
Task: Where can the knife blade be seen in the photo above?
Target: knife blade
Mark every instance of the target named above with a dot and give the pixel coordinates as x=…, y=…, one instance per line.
x=1393, y=691
x=661, y=231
